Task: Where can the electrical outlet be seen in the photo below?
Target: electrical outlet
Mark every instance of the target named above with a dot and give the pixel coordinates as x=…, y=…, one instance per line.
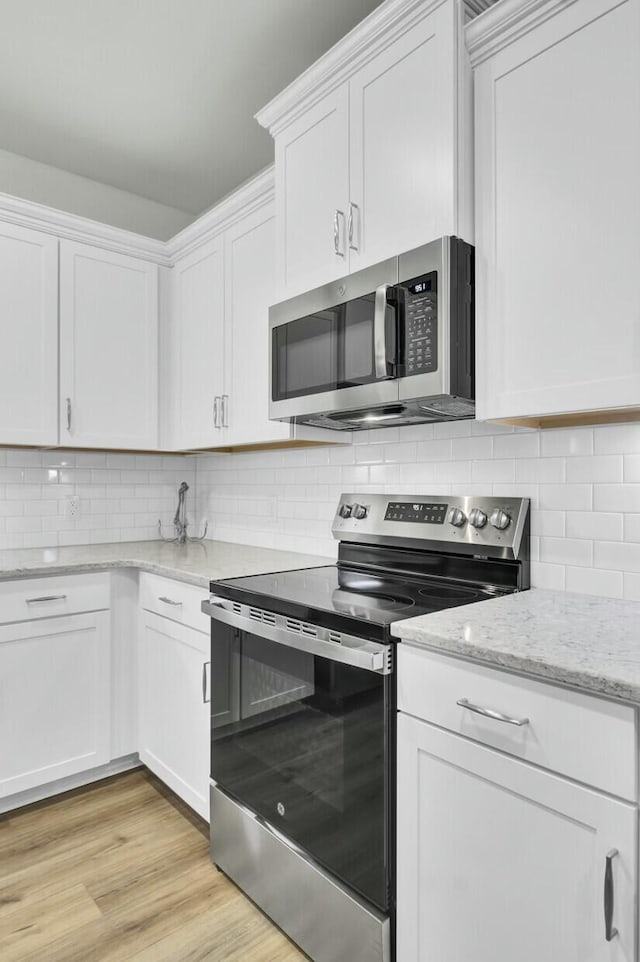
x=72, y=506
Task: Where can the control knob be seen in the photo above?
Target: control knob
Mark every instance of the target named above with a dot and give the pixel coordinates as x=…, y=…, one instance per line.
x=456, y=517
x=477, y=518
x=345, y=511
x=500, y=519
x=359, y=511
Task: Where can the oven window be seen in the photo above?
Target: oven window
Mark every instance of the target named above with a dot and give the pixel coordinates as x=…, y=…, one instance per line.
x=302, y=741
x=326, y=351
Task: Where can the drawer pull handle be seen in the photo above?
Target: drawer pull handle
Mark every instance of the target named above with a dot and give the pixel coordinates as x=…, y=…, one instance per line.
x=609, y=931
x=44, y=598
x=492, y=713
x=169, y=601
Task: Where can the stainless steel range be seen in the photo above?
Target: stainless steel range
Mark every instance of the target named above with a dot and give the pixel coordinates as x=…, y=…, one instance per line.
x=304, y=707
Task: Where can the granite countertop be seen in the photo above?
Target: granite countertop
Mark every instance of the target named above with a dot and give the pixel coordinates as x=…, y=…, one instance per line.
x=196, y=563
x=584, y=641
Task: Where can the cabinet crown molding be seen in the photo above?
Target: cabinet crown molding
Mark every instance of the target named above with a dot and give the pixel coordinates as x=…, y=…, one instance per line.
x=49, y=220
x=504, y=22
x=379, y=30
x=246, y=199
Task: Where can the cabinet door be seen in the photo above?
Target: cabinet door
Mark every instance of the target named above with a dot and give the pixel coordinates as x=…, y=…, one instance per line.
x=312, y=192
x=54, y=699
x=249, y=290
x=198, y=345
x=108, y=349
x=501, y=860
x=403, y=134
x=29, y=319
x=174, y=693
x=558, y=215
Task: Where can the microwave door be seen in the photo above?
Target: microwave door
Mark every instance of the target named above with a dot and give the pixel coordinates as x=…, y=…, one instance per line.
x=335, y=358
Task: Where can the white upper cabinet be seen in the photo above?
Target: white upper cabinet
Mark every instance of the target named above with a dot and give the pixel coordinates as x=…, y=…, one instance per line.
x=558, y=208
x=29, y=324
x=378, y=162
x=215, y=343
x=312, y=185
x=197, y=344
x=108, y=349
x=403, y=142
x=249, y=290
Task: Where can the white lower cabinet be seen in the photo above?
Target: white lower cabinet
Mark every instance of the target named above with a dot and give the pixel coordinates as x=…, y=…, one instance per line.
x=174, y=686
x=500, y=861
x=55, y=690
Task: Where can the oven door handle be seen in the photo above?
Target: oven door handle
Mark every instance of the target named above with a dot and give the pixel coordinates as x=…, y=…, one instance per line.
x=357, y=652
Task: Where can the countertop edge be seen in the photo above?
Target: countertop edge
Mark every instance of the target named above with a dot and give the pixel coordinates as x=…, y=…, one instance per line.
x=533, y=668
x=48, y=570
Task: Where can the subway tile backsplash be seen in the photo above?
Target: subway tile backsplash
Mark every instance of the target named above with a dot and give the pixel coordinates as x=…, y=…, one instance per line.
x=584, y=484
x=121, y=496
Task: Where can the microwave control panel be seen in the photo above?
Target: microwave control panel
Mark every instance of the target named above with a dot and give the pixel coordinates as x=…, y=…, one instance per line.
x=421, y=325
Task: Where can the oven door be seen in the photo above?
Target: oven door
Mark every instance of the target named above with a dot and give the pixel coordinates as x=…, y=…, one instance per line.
x=335, y=348
x=304, y=741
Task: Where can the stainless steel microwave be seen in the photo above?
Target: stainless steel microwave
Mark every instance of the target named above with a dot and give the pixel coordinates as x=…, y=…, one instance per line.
x=392, y=344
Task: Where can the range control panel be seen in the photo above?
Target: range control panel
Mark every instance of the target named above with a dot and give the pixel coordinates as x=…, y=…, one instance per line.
x=424, y=512
x=468, y=525
x=421, y=325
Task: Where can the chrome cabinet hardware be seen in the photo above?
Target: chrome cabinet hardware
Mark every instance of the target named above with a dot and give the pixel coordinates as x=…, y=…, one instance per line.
x=205, y=700
x=169, y=601
x=68, y=407
x=224, y=407
x=354, y=236
x=380, y=331
x=336, y=233
x=45, y=598
x=491, y=713
x=609, y=931
x=216, y=411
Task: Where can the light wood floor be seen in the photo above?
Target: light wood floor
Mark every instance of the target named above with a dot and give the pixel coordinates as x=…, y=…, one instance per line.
x=120, y=872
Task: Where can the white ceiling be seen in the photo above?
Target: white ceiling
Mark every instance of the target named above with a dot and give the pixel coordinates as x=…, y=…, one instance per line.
x=156, y=97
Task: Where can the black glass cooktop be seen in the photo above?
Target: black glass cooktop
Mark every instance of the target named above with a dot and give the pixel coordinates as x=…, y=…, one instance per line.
x=350, y=599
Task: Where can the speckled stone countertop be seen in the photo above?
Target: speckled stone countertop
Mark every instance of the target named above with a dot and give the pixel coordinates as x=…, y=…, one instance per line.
x=584, y=641
x=196, y=563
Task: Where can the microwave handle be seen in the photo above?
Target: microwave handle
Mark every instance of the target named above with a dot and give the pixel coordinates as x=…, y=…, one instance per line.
x=380, y=332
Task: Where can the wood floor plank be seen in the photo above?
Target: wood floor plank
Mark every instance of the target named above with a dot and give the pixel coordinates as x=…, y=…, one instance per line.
x=120, y=871
x=233, y=932
x=27, y=931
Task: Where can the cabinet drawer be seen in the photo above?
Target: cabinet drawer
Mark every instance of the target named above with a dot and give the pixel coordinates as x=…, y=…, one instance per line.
x=583, y=737
x=31, y=598
x=174, y=600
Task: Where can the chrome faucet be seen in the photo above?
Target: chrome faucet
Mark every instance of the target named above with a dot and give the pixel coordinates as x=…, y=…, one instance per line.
x=180, y=523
